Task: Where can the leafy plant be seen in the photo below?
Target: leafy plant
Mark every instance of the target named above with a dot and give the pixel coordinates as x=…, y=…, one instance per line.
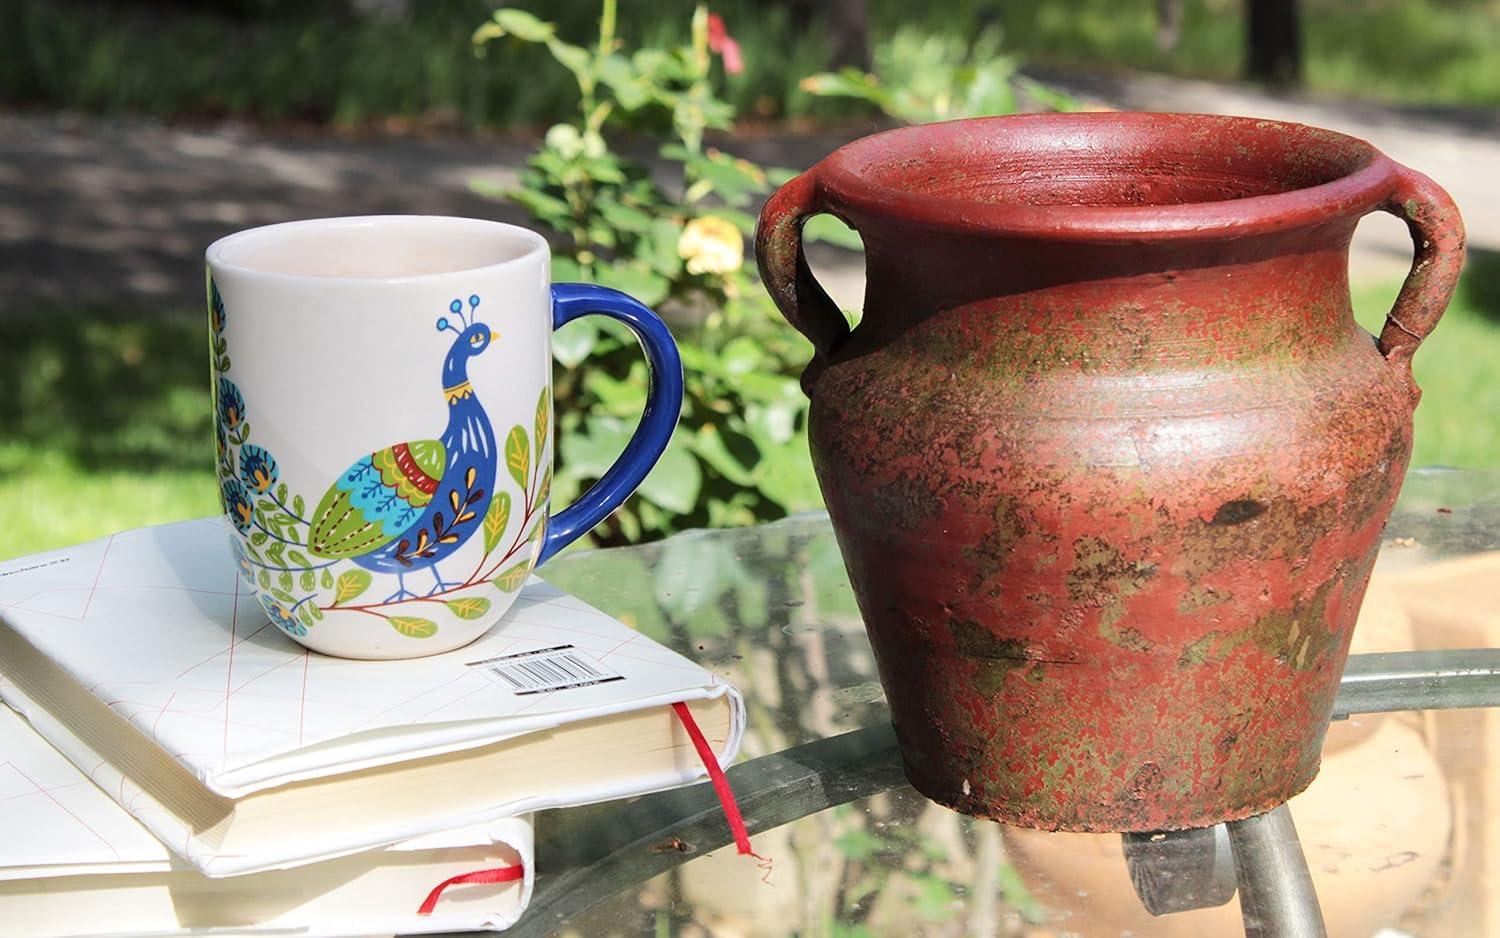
x=740, y=454
x=926, y=76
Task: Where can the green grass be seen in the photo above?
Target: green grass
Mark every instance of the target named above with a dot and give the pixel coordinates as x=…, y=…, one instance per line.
x=105, y=423
x=1431, y=52
x=314, y=62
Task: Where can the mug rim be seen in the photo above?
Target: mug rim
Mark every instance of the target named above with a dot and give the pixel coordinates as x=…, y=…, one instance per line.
x=218, y=254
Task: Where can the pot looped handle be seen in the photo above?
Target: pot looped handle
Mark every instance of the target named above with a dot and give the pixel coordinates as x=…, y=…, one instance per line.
x=783, y=266
x=1437, y=233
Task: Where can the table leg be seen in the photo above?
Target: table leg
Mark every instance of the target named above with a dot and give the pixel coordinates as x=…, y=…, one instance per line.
x=1277, y=899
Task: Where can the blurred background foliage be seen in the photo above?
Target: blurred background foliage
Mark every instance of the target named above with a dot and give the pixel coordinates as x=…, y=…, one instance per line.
x=352, y=63
x=99, y=413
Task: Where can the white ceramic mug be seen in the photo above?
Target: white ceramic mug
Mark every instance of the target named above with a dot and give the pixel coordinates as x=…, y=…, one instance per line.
x=382, y=394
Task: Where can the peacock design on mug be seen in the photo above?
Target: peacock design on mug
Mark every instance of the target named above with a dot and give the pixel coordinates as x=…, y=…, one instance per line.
x=410, y=505
x=404, y=508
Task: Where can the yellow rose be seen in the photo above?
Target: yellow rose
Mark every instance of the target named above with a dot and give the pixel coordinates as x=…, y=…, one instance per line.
x=711, y=245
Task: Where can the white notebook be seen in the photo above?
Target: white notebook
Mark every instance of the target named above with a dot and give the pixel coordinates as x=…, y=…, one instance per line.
x=73, y=863
x=143, y=659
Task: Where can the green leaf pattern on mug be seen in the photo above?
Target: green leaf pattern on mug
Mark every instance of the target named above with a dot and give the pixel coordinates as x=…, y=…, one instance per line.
x=518, y=455
x=412, y=626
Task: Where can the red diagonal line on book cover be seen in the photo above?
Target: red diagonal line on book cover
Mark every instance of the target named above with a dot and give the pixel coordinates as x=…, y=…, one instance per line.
x=302, y=701
x=215, y=656
x=502, y=874
x=53, y=798
x=234, y=617
x=97, y=573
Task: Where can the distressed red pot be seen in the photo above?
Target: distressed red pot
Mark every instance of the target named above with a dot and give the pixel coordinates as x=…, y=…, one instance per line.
x=1108, y=456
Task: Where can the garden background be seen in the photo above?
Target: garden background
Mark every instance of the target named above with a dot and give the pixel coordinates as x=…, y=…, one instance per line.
x=132, y=133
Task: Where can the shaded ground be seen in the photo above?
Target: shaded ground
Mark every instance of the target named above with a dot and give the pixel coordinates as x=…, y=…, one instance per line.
x=115, y=214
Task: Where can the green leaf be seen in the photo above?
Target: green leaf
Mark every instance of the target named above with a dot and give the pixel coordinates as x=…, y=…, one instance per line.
x=299, y=507
x=544, y=206
x=572, y=343
x=495, y=520
x=518, y=455
x=284, y=596
x=732, y=178
x=512, y=579
x=676, y=480
x=772, y=424
x=620, y=398
x=327, y=579
x=732, y=455
x=523, y=25
x=566, y=269
x=258, y=538
x=830, y=229
x=630, y=87
x=658, y=249
x=543, y=420
x=636, y=279
x=308, y=580
x=285, y=579
x=306, y=614
x=264, y=579
x=298, y=558
x=590, y=451
x=470, y=607
x=413, y=627
x=788, y=478
x=281, y=493
x=622, y=217
x=351, y=583
x=575, y=59
x=740, y=355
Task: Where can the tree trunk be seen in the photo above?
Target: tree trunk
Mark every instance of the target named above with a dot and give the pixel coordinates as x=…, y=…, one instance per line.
x=847, y=23
x=1274, y=36
x=1168, y=24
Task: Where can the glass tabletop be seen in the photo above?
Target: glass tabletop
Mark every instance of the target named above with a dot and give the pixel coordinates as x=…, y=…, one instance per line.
x=1401, y=832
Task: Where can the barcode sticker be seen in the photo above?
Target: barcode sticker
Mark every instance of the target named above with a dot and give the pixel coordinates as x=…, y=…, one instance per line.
x=546, y=669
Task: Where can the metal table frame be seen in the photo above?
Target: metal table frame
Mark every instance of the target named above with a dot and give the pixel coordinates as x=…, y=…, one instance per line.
x=591, y=854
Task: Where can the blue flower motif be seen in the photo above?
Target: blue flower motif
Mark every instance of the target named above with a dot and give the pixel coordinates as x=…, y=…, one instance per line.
x=236, y=504
x=257, y=467
x=280, y=616
x=231, y=404
x=216, y=314
x=221, y=440
x=242, y=558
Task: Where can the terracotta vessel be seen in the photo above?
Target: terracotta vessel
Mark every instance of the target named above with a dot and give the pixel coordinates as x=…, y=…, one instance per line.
x=1108, y=456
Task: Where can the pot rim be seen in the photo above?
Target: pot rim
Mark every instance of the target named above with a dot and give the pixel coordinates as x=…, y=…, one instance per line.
x=1369, y=182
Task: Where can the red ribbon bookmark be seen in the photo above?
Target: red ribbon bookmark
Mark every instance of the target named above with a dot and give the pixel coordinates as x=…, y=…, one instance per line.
x=720, y=783
x=504, y=874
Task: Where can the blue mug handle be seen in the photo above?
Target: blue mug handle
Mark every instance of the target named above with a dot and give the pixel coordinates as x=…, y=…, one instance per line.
x=663, y=405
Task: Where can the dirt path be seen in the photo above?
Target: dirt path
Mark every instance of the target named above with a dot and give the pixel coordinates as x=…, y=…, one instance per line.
x=114, y=215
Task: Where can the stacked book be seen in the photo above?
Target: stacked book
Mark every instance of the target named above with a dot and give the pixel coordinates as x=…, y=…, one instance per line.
x=170, y=762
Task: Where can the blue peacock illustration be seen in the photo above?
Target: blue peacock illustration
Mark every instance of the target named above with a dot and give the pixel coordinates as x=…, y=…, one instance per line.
x=394, y=512
x=410, y=505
